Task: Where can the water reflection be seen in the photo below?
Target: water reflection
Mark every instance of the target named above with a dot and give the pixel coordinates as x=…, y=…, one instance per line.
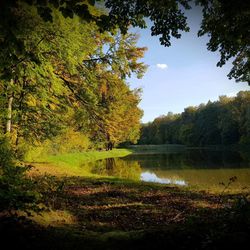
x=193, y=158
x=151, y=177
x=118, y=168
x=204, y=169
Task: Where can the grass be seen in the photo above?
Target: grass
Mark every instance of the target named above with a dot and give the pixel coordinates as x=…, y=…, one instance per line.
x=71, y=164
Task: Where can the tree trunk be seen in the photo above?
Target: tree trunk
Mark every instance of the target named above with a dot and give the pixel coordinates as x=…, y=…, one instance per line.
x=9, y=114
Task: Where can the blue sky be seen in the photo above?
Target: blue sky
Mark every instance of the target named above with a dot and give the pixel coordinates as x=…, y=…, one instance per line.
x=187, y=74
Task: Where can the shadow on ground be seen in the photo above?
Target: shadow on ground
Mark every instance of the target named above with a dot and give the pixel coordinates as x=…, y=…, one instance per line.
x=111, y=214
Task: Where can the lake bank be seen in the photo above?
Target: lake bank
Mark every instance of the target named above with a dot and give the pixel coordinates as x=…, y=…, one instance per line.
x=197, y=169
x=70, y=164
x=93, y=212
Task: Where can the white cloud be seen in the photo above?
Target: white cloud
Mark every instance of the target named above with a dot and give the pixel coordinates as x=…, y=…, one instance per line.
x=161, y=65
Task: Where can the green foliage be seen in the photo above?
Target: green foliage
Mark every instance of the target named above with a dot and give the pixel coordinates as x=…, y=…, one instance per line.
x=69, y=141
x=227, y=24
x=67, y=75
x=16, y=189
x=222, y=122
x=6, y=154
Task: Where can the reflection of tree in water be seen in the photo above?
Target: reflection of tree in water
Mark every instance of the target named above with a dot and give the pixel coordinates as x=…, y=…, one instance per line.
x=245, y=155
x=214, y=159
x=193, y=159
x=118, y=168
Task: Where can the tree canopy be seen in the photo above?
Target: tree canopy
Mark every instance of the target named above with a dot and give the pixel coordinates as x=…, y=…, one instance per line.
x=225, y=22
x=67, y=73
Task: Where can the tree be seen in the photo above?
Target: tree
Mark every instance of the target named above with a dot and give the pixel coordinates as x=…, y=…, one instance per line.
x=206, y=131
x=226, y=22
x=66, y=77
x=229, y=120
x=186, y=126
x=24, y=68
x=116, y=115
x=34, y=96
x=243, y=104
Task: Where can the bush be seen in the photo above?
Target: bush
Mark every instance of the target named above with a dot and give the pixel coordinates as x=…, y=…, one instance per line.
x=69, y=141
x=17, y=191
x=6, y=153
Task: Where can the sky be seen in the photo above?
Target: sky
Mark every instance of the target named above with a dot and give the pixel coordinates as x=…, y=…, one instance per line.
x=184, y=74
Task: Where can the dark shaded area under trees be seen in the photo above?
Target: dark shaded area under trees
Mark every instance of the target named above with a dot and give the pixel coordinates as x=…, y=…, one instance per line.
x=115, y=215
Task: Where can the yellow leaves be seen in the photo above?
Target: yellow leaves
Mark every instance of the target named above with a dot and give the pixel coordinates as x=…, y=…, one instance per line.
x=69, y=141
x=31, y=101
x=103, y=87
x=135, y=53
x=52, y=106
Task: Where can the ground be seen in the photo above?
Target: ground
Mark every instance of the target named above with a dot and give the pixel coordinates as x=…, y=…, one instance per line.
x=109, y=213
x=112, y=214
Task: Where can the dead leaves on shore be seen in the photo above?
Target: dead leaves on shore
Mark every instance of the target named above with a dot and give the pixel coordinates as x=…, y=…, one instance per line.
x=104, y=206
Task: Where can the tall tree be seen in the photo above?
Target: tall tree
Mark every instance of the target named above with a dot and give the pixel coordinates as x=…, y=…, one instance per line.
x=116, y=117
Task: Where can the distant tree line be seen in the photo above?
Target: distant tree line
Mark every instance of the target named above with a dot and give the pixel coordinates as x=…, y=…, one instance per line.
x=223, y=122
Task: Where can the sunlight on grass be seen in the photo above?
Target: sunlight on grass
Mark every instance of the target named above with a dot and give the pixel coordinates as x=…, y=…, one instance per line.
x=204, y=204
x=56, y=218
x=113, y=206
x=73, y=164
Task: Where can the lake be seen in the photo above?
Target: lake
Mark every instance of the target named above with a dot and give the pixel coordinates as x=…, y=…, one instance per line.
x=199, y=168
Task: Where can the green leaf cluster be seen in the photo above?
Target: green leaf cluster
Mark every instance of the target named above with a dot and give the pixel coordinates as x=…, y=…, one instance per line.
x=67, y=74
x=17, y=191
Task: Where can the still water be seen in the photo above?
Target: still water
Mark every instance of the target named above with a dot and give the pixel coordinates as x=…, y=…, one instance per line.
x=205, y=169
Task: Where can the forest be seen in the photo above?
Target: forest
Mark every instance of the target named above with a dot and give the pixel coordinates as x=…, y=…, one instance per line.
x=67, y=108
x=222, y=122
x=67, y=80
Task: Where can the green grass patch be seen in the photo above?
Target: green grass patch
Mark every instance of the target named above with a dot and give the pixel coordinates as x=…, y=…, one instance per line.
x=73, y=159
x=73, y=164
